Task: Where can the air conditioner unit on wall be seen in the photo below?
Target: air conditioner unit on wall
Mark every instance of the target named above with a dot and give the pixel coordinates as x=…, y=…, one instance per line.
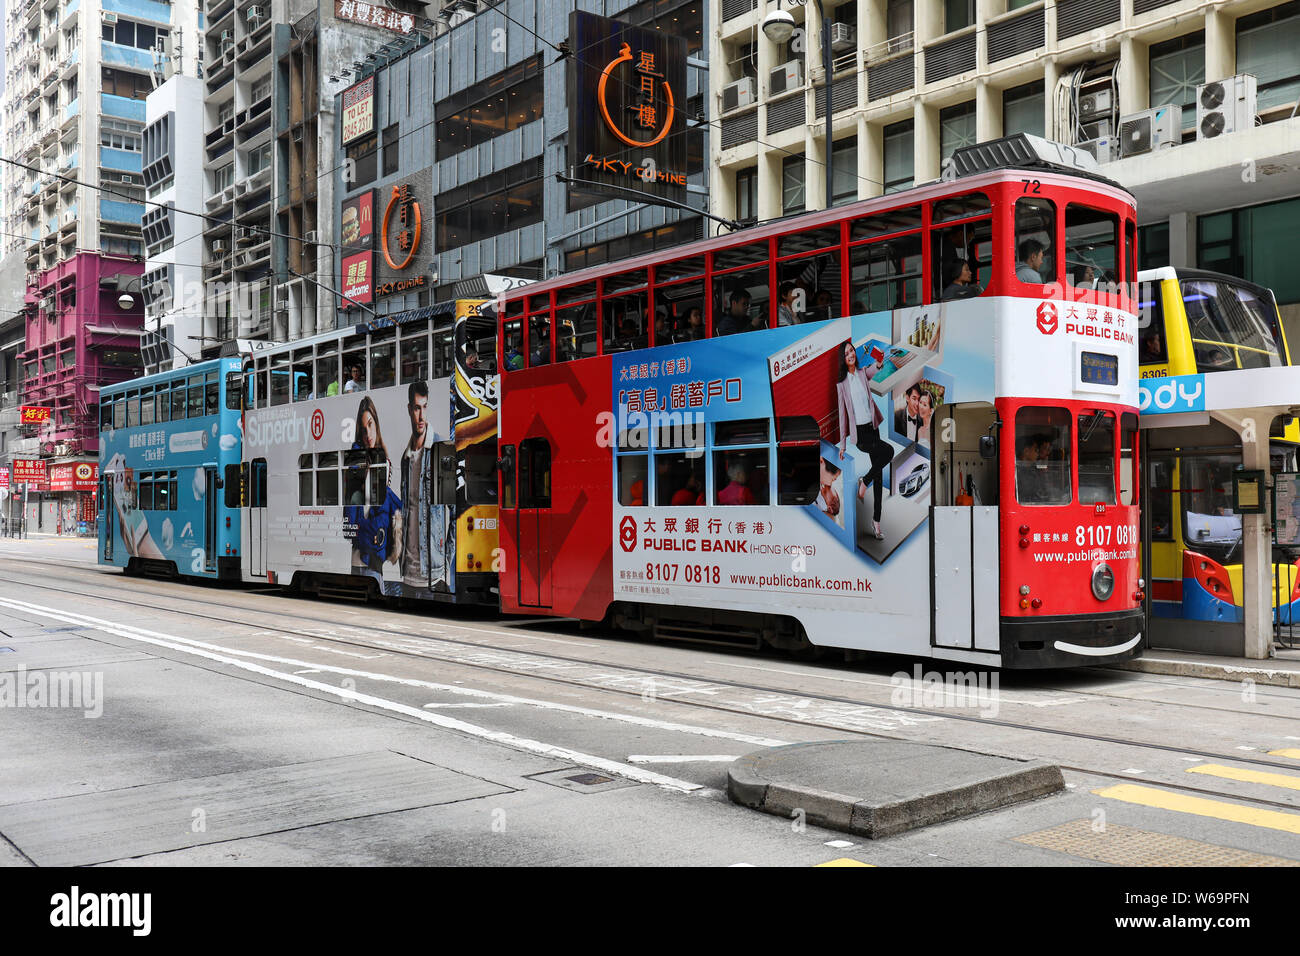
x=1150, y=130
x=1094, y=105
x=739, y=94
x=108, y=17
x=1103, y=150
x=1226, y=106
x=786, y=77
x=843, y=37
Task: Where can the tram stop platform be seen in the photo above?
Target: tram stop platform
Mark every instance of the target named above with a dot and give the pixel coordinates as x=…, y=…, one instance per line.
x=1281, y=670
x=877, y=788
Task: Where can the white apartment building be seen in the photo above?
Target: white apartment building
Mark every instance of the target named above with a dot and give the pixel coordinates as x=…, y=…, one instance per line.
x=77, y=74
x=913, y=80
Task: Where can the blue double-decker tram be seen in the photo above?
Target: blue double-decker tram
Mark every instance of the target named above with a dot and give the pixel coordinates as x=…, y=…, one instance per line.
x=169, y=466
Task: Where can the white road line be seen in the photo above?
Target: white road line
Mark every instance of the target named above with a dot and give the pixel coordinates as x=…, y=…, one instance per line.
x=682, y=758
x=448, y=723
x=463, y=706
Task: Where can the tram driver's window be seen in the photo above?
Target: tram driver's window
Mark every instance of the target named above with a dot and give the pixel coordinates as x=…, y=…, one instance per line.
x=1161, y=503
x=1096, y=457
x=1043, y=456
x=1035, y=241
x=1092, y=255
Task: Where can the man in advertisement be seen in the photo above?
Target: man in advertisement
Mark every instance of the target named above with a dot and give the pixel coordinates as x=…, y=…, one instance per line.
x=424, y=528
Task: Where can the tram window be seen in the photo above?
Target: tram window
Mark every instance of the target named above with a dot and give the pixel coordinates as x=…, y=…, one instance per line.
x=679, y=479
x=634, y=438
x=132, y=411
x=960, y=207
x=1043, y=456
x=745, y=431
x=886, y=275
x=194, y=397
x=302, y=382
x=355, y=464
x=1162, y=500
x=383, y=358
x=740, y=302
x=578, y=330
x=354, y=371
x=810, y=240
x=480, y=346
x=679, y=434
x=105, y=414
x=1091, y=248
x=1128, y=459
x=535, y=473
x=581, y=292
x=377, y=473
x=623, y=281
x=508, y=476
x=886, y=223
x=962, y=260
x=1130, y=258
x=740, y=477
x=684, y=303
x=234, y=391
x=327, y=478
x=178, y=401
x=119, y=412
x=481, y=473
x=816, y=292
x=801, y=474
x=144, y=491
x=306, y=477
x=747, y=255
x=147, y=407
x=327, y=372
x=625, y=325
x=415, y=354
x=1152, y=349
x=539, y=339
x=211, y=394
x=164, y=413
x=1035, y=241
x=1231, y=326
x=164, y=496
x=280, y=374
x=231, y=488
x=632, y=480
x=513, y=345
x=680, y=269
x=1096, y=458
x=444, y=344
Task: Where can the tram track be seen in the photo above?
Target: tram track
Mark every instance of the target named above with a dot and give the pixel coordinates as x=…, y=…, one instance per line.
x=660, y=673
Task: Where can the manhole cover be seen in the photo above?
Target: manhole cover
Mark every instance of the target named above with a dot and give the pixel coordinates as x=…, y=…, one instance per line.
x=581, y=781
x=589, y=779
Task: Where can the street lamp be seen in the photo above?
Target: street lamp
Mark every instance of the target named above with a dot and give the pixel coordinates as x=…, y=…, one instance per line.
x=778, y=26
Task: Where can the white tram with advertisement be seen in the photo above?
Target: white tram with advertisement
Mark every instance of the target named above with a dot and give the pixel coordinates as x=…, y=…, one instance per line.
x=369, y=459
x=905, y=425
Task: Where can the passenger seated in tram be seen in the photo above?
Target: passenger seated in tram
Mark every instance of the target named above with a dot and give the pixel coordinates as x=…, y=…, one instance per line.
x=737, y=490
x=822, y=302
x=693, y=328
x=737, y=318
x=354, y=382
x=663, y=327
x=785, y=314
x=689, y=493
x=961, y=282
x=1031, y=254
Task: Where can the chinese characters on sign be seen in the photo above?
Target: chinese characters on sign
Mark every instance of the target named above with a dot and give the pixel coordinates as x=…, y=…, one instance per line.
x=359, y=109
x=374, y=15
x=29, y=471
x=357, y=276
x=405, y=233
x=34, y=415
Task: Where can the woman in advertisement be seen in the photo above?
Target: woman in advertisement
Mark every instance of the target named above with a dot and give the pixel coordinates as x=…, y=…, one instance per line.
x=373, y=521
x=860, y=418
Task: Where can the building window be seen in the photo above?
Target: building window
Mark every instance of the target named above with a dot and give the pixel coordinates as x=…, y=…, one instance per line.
x=497, y=105
x=1253, y=244
x=222, y=177
x=956, y=128
x=898, y=23
x=844, y=171
x=747, y=194
x=363, y=162
x=391, y=139
x=1023, y=110
x=792, y=185
x=508, y=199
x=1153, y=246
x=1266, y=46
x=899, y=157
x=261, y=90
x=958, y=14
x=258, y=159
x=1176, y=69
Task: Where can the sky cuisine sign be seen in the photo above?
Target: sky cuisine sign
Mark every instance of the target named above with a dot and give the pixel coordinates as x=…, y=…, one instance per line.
x=627, y=120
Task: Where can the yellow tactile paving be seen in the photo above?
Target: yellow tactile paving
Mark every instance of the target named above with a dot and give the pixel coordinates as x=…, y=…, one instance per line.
x=1290, y=781
x=1129, y=846
x=845, y=861
x=1200, y=806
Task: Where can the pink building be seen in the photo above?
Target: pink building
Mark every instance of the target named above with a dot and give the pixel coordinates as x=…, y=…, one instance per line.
x=78, y=339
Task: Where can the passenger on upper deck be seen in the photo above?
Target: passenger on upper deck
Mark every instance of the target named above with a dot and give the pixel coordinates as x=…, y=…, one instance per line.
x=785, y=309
x=961, y=282
x=354, y=383
x=1031, y=255
x=693, y=328
x=737, y=317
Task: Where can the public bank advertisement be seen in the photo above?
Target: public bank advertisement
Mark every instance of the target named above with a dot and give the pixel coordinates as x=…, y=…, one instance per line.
x=353, y=489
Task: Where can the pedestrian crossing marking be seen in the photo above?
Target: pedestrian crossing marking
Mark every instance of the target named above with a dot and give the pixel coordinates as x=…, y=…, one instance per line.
x=1200, y=806
x=1288, y=780
x=1128, y=846
x=1291, y=752
x=845, y=861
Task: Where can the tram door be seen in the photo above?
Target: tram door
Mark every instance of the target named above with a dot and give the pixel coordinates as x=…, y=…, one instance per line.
x=534, y=536
x=255, y=541
x=108, y=502
x=210, y=518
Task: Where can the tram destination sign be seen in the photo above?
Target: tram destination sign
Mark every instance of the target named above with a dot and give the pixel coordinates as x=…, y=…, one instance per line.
x=627, y=111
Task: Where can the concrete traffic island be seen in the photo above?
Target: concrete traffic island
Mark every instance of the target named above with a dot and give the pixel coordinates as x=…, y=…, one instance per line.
x=878, y=788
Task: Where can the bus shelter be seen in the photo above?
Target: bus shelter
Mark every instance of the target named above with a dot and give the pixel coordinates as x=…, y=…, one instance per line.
x=1229, y=416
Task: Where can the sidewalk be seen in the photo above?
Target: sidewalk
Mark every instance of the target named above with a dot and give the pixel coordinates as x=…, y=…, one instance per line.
x=1280, y=671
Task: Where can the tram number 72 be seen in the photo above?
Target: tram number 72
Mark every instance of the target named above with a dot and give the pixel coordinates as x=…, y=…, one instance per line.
x=1031, y=182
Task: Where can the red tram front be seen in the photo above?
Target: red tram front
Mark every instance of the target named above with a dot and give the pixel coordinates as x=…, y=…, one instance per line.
x=906, y=425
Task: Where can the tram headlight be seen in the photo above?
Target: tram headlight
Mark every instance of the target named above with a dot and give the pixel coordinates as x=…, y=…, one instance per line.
x=1103, y=582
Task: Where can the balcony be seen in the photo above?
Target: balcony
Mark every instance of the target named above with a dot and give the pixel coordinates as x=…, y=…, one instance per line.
x=72, y=110
x=114, y=210
x=114, y=54
x=122, y=106
x=70, y=9
x=121, y=160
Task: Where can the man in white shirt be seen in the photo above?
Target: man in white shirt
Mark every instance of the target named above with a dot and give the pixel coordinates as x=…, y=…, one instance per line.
x=1031, y=254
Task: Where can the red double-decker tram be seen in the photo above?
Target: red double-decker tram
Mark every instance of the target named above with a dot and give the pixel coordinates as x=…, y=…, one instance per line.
x=906, y=425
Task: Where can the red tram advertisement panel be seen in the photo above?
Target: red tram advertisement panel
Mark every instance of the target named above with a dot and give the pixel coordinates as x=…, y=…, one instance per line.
x=907, y=425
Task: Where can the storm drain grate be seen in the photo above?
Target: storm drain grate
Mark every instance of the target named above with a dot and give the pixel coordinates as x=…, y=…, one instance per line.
x=590, y=779
x=1129, y=846
x=581, y=781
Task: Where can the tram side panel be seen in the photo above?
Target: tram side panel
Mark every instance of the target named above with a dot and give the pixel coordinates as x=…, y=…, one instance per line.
x=338, y=498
